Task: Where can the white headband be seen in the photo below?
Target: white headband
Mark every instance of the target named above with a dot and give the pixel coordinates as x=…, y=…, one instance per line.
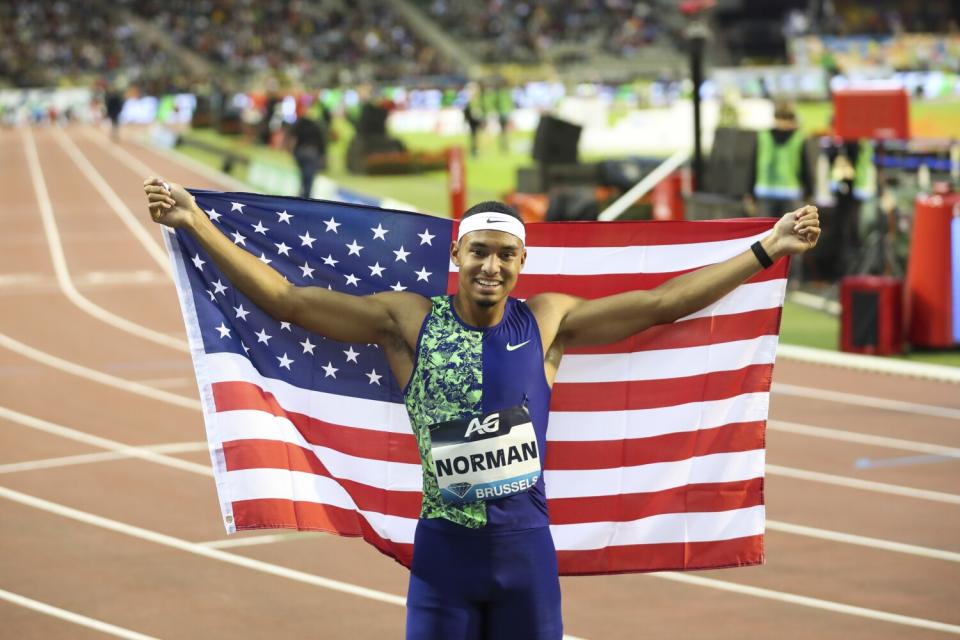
x=492, y=221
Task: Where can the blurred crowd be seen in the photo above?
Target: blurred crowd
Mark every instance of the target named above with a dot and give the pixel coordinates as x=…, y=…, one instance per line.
x=879, y=17
x=49, y=44
x=525, y=30
x=60, y=43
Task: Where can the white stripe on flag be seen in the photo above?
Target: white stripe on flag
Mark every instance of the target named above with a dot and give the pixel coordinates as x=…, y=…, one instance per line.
x=645, y=423
x=752, y=296
x=662, y=528
x=667, y=363
x=328, y=407
x=247, y=425
x=589, y=261
x=658, y=476
x=281, y=484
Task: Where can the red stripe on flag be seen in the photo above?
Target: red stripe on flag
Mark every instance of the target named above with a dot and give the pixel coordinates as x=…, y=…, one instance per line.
x=640, y=234
x=598, y=286
x=273, y=454
x=309, y=516
x=366, y=443
x=703, y=498
x=696, y=332
x=611, y=454
x=650, y=394
x=679, y=556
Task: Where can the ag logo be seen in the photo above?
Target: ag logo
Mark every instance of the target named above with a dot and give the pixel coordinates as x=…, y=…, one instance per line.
x=490, y=424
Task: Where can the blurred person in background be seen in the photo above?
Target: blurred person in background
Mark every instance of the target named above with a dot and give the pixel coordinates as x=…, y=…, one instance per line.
x=781, y=176
x=113, y=103
x=307, y=138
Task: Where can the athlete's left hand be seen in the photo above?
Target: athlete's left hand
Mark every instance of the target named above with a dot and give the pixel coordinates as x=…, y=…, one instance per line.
x=798, y=231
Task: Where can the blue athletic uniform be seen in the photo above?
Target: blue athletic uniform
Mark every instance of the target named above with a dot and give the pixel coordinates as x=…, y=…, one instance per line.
x=484, y=569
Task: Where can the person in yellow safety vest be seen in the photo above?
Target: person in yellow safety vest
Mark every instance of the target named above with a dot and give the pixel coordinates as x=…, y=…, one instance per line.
x=500, y=101
x=865, y=173
x=781, y=175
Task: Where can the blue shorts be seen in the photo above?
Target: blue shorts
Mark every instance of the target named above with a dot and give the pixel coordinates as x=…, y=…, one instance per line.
x=469, y=585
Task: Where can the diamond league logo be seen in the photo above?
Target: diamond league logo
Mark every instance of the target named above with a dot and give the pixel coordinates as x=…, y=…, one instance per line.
x=460, y=489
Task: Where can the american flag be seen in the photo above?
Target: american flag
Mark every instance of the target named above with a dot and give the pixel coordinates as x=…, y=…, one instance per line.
x=655, y=453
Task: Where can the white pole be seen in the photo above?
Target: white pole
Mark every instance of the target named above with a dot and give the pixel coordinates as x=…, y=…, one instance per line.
x=641, y=189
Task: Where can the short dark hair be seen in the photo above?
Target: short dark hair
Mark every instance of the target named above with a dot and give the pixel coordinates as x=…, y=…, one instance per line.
x=491, y=206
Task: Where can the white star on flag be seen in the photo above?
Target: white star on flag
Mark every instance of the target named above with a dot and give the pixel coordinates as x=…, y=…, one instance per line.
x=285, y=326
x=241, y=312
x=332, y=225
x=210, y=293
x=351, y=354
x=285, y=361
x=307, y=270
x=423, y=274
x=426, y=237
x=263, y=336
x=282, y=249
x=284, y=216
x=236, y=206
x=198, y=263
x=374, y=377
x=239, y=239
x=354, y=248
x=376, y=269
x=212, y=214
x=379, y=233
x=219, y=287
x=330, y=370
x=398, y=287
x=306, y=240
x=259, y=228
x=246, y=349
x=264, y=259
x=401, y=255
x=352, y=279
x=224, y=331
x=329, y=260
x=307, y=346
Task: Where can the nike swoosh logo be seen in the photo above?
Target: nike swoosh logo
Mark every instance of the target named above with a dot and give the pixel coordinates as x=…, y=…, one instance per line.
x=514, y=347
x=492, y=221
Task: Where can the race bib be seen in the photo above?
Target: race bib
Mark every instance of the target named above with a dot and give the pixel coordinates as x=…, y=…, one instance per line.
x=491, y=456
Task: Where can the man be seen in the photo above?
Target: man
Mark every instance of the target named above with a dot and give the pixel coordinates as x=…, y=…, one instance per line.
x=781, y=174
x=307, y=138
x=476, y=370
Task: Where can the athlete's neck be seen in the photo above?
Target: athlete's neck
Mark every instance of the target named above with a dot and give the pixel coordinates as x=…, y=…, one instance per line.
x=476, y=315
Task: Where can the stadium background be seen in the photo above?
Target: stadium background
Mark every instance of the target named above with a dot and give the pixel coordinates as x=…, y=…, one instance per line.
x=209, y=89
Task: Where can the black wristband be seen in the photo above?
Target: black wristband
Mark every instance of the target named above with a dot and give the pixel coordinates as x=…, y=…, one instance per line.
x=761, y=254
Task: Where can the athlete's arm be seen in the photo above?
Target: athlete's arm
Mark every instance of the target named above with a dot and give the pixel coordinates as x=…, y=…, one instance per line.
x=582, y=322
x=381, y=318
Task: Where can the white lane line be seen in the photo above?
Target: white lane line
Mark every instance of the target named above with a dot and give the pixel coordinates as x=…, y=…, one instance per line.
x=104, y=443
x=862, y=438
x=70, y=616
x=863, y=541
x=103, y=456
x=380, y=596
x=169, y=382
x=866, y=485
x=157, y=458
x=871, y=402
x=806, y=601
x=870, y=364
x=198, y=549
x=60, y=263
x=96, y=376
x=250, y=541
x=114, y=201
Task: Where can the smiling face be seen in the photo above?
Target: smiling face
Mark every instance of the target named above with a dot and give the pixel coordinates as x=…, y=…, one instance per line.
x=489, y=262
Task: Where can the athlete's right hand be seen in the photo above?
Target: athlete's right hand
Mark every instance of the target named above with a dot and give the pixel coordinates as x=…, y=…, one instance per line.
x=169, y=203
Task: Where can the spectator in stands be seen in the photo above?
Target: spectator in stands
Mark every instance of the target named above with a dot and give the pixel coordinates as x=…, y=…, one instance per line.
x=307, y=138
